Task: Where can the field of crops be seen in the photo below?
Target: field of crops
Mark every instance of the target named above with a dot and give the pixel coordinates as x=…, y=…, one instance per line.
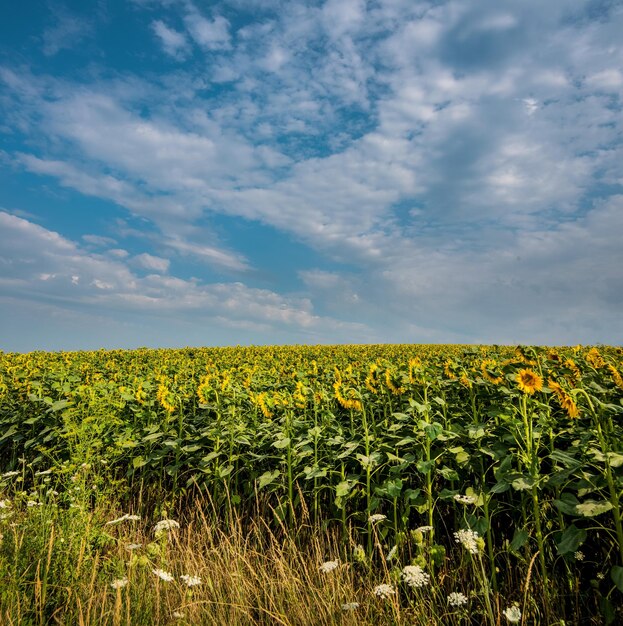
x=508, y=461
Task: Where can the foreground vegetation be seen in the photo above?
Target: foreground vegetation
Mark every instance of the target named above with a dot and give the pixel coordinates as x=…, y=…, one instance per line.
x=312, y=485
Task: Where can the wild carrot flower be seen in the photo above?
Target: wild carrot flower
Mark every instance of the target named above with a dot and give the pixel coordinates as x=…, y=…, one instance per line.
x=415, y=576
x=119, y=583
x=165, y=524
x=384, y=591
x=512, y=614
x=350, y=606
x=529, y=381
x=456, y=598
x=377, y=517
x=424, y=529
x=10, y=474
x=328, y=566
x=123, y=518
x=5, y=504
x=468, y=539
x=465, y=499
x=163, y=575
x=191, y=581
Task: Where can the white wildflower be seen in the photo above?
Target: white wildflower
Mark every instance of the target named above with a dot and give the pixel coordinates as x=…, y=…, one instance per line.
x=123, y=518
x=10, y=474
x=191, y=581
x=5, y=504
x=424, y=529
x=600, y=576
x=119, y=583
x=384, y=591
x=163, y=575
x=512, y=614
x=33, y=503
x=415, y=576
x=43, y=472
x=350, y=606
x=179, y=615
x=165, y=524
x=579, y=556
x=377, y=517
x=468, y=539
x=133, y=546
x=392, y=553
x=465, y=499
x=456, y=598
x=328, y=566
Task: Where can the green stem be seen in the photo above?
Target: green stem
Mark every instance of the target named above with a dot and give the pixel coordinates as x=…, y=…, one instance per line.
x=534, y=475
x=614, y=498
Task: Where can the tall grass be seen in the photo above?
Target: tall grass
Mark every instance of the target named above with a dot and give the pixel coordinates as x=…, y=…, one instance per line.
x=88, y=562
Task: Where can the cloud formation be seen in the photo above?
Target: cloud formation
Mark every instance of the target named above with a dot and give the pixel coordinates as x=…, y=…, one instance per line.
x=443, y=167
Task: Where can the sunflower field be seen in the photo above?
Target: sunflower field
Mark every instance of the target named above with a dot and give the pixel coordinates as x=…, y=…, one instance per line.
x=512, y=456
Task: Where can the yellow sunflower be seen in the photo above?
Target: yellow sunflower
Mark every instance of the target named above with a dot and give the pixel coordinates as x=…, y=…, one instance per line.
x=529, y=381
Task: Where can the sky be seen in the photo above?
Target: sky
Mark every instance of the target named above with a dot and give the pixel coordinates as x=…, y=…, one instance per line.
x=184, y=173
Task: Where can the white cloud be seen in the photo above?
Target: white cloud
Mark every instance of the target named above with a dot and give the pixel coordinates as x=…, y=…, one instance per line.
x=98, y=240
x=42, y=266
x=414, y=142
x=150, y=262
x=67, y=32
x=173, y=42
x=209, y=34
x=210, y=254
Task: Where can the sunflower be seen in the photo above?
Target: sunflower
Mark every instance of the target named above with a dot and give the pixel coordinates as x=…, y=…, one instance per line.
x=529, y=381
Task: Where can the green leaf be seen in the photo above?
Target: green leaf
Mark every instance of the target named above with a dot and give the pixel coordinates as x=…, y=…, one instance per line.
x=152, y=437
x=616, y=459
x=567, y=503
x=138, y=461
x=59, y=404
x=520, y=538
x=225, y=470
x=433, y=430
x=591, y=508
x=314, y=472
x=424, y=466
x=459, y=454
x=616, y=573
x=448, y=473
x=368, y=461
x=571, y=539
x=281, y=443
x=393, y=488
x=522, y=483
x=566, y=459
x=268, y=477
x=343, y=489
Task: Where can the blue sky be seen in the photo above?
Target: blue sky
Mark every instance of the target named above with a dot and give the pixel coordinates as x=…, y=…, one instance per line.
x=181, y=173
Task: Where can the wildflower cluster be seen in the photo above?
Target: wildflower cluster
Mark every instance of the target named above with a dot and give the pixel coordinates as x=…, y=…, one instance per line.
x=468, y=539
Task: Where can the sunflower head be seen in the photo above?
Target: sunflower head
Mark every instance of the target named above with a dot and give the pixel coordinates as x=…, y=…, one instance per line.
x=529, y=381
